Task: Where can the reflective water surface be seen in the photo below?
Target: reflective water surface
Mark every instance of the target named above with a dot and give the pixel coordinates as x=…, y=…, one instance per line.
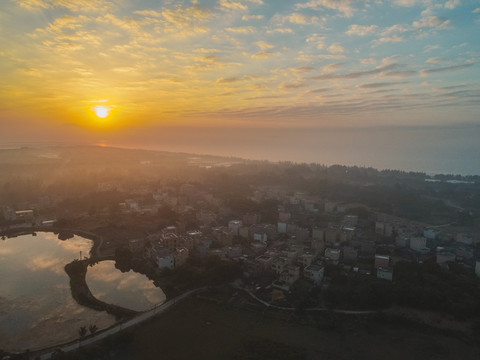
x=130, y=289
x=36, y=306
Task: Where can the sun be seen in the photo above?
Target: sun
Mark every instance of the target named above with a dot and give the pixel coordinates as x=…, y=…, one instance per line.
x=101, y=111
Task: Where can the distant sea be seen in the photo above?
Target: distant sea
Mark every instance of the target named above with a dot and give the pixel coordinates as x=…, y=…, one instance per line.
x=433, y=150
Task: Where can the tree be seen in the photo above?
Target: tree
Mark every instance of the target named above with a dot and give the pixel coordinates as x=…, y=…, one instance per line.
x=82, y=331
x=93, y=328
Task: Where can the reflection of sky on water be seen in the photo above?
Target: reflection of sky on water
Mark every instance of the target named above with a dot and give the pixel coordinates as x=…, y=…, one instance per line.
x=130, y=290
x=36, y=306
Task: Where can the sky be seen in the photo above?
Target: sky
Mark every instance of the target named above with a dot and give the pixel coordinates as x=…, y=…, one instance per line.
x=93, y=70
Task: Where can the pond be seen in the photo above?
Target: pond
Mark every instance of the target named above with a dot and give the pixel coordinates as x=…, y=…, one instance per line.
x=130, y=290
x=36, y=306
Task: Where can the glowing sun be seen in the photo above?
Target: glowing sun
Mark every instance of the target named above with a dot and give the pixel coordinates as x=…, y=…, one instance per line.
x=102, y=111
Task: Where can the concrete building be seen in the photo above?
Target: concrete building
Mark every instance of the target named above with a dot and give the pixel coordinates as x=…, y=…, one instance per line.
x=382, y=261
x=445, y=257
x=281, y=227
x=380, y=227
x=315, y=273
x=350, y=255
x=264, y=263
x=318, y=233
x=331, y=236
x=332, y=255
x=402, y=241
x=234, y=252
x=430, y=233
x=279, y=264
x=306, y=258
x=385, y=273
x=24, y=215
x=234, y=226
x=180, y=256
x=419, y=244
x=136, y=245
x=166, y=261
x=251, y=219
x=290, y=274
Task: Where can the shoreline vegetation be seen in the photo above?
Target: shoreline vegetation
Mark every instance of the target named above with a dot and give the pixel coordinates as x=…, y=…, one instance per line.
x=76, y=270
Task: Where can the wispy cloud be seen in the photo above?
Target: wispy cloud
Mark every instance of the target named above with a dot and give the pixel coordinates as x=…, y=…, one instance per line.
x=361, y=30
x=445, y=69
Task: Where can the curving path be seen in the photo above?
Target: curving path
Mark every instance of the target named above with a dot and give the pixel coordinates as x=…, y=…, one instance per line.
x=48, y=353
x=352, y=312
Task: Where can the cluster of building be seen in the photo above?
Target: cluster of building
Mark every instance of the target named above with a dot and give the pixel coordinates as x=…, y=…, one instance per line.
x=289, y=249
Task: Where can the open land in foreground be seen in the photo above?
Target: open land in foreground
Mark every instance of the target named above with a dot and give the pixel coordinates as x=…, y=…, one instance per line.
x=201, y=328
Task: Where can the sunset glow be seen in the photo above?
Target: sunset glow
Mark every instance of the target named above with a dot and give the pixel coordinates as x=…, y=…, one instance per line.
x=237, y=64
x=102, y=111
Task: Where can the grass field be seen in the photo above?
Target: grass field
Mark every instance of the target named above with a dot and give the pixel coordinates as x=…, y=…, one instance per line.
x=200, y=328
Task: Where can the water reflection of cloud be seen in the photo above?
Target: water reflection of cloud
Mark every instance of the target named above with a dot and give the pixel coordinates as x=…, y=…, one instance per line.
x=154, y=296
x=129, y=289
x=130, y=281
x=76, y=245
x=47, y=262
x=6, y=251
x=104, y=272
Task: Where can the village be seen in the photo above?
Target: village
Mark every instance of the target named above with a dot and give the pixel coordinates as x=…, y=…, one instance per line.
x=305, y=238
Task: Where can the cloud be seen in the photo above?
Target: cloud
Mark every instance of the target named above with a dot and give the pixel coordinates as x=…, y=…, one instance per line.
x=336, y=49
x=241, y=30
x=280, y=30
x=434, y=60
x=410, y=3
x=357, y=74
x=302, y=19
x=432, y=22
x=368, y=61
x=431, y=48
x=72, y=5
x=476, y=11
x=152, y=13
x=331, y=68
x=252, y=17
x=264, y=45
x=264, y=54
x=233, y=5
x=302, y=70
x=452, y=4
x=232, y=80
x=384, y=40
x=207, y=51
x=361, y=30
x=292, y=86
x=380, y=84
x=342, y=6
x=444, y=69
x=399, y=74
x=186, y=17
